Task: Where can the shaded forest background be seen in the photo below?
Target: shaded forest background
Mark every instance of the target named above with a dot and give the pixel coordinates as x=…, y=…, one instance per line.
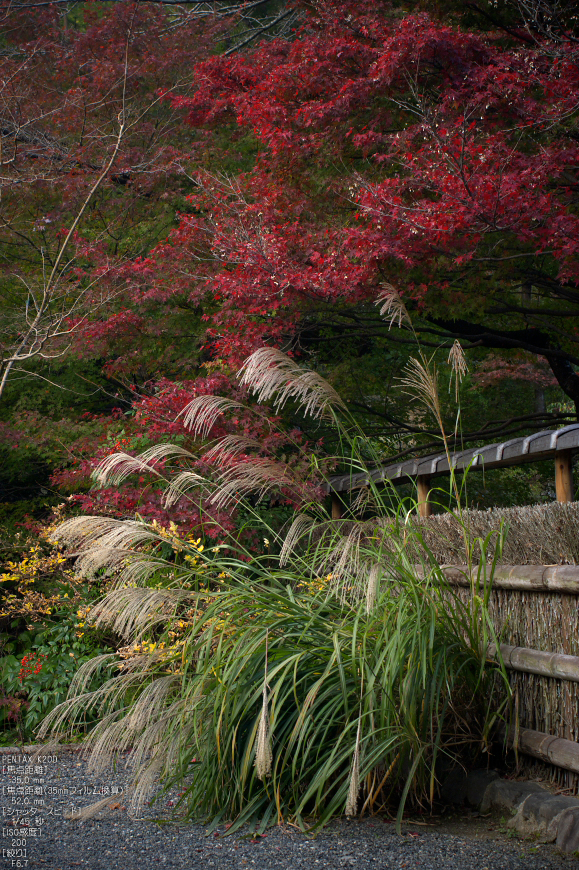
x=184, y=183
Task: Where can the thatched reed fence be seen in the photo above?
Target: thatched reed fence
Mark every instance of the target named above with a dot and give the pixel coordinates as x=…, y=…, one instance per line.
x=534, y=604
x=534, y=608
x=541, y=535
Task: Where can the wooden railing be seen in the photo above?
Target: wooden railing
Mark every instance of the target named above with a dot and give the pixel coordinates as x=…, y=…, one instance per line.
x=557, y=444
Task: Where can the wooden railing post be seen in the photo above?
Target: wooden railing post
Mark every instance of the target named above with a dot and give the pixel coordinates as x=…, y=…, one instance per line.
x=337, y=506
x=564, y=475
x=423, y=487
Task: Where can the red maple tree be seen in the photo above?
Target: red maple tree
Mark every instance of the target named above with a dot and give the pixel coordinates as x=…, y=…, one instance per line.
x=450, y=169
x=292, y=181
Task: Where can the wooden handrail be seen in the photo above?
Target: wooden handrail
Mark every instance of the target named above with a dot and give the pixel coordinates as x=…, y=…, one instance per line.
x=553, y=750
x=557, y=444
x=525, y=578
x=533, y=661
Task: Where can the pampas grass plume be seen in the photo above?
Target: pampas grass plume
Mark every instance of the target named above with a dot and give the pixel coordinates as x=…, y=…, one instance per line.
x=263, y=754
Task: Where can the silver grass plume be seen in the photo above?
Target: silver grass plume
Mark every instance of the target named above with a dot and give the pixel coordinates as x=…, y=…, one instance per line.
x=117, y=545
x=152, y=700
x=112, y=544
x=108, y=695
x=87, y=530
x=230, y=447
x=392, y=307
x=363, y=500
x=105, y=531
x=349, y=557
x=263, y=754
x=91, y=810
x=201, y=414
x=348, y=552
x=372, y=586
x=114, y=469
x=421, y=383
x=257, y=476
x=181, y=485
x=104, y=542
x=83, y=677
x=354, y=789
x=344, y=559
x=300, y=527
x=130, y=611
x=457, y=361
x=142, y=729
x=270, y=372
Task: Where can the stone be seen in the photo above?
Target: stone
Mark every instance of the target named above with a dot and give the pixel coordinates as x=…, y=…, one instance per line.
x=539, y=815
x=568, y=830
x=477, y=784
x=505, y=794
x=467, y=788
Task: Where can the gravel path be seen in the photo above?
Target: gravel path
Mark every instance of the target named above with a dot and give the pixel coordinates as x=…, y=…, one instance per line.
x=115, y=841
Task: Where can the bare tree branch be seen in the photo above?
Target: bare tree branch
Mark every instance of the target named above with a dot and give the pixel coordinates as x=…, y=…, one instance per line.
x=49, y=324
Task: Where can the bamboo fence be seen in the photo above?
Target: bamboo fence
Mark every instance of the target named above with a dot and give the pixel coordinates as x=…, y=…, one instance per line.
x=534, y=604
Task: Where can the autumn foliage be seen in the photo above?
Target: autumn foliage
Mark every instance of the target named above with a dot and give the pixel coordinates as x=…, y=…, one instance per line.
x=266, y=196
x=400, y=149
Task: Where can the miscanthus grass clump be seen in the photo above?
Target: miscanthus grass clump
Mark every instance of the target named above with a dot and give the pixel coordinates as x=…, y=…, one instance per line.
x=337, y=673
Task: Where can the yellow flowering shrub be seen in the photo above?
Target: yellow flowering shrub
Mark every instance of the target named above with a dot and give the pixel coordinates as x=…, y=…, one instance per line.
x=315, y=585
x=40, y=582
x=37, y=584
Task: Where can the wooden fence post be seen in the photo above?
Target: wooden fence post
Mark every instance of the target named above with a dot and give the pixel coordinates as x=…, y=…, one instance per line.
x=337, y=506
x=423, y=487
x=564, y=475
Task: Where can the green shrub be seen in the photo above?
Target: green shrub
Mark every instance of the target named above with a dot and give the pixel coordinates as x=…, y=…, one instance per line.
x=43, y=635
x=38, y=676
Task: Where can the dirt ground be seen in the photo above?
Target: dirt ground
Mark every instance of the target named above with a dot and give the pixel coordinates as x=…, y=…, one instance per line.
x=462, y=822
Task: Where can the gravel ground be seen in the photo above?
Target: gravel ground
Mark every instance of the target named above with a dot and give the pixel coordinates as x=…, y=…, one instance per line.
x=115, y=841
